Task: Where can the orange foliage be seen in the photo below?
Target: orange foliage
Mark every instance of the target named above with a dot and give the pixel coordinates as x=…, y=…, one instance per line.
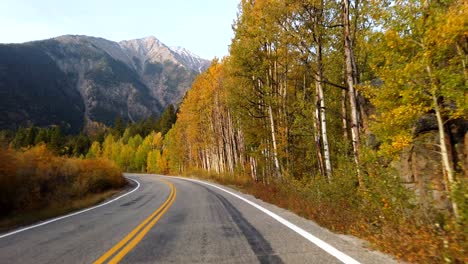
x=35, y=178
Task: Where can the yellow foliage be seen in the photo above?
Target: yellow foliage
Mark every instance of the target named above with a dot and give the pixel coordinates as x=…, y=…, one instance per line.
x=162, y=164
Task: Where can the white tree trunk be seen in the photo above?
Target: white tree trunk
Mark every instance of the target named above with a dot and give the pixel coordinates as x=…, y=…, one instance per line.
x=317, y=137
x=450, y=184
x=448, y=168
x=322, y=109
x=326, y=149
x=344, y=117
x=273, y=138
x=351, y=89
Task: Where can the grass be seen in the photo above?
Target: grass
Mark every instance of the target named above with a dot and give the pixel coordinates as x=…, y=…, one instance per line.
x=54, y=210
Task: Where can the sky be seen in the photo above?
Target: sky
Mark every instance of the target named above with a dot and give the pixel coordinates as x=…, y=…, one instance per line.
x=201, y=26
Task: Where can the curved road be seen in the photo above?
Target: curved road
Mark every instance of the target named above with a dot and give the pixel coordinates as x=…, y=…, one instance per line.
x=173, y=220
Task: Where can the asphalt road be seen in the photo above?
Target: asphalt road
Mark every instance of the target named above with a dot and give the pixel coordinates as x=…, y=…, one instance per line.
x=172, y=220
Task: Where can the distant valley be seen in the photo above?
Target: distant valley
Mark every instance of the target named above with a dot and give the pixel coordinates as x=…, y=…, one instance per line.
x=80, y=81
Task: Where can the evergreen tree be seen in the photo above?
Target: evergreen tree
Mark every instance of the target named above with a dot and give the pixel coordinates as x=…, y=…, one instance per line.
x=56, y=139
x=81, y=145
x=19, y=139
x=119, y=127
x=167, y=119
x=42, y=136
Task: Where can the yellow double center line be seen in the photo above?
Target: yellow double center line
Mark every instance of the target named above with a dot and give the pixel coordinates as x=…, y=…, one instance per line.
x=137, y=234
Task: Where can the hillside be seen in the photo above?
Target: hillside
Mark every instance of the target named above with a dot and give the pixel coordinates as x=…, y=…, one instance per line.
x=72, y=80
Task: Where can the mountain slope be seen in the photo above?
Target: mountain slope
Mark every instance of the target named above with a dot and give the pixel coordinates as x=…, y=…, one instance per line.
x=33, y=90
x=166, y=71
x=72, y=80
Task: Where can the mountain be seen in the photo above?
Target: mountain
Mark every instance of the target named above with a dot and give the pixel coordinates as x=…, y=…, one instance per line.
x=76, y=81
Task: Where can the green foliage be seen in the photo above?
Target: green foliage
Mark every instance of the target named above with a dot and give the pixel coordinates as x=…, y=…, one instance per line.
x=130, y=153
x=42, y=137
x=25, y=137
x=167, y=119
x=80, y=145
x=417, y=57
x=174, y=151
x=112, y=140
x=460, y=194
x=56, y=140
x=6, y=136
x=119, y=127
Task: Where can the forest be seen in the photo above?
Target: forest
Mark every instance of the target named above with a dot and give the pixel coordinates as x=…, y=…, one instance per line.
x=46, y=171
x=351, y=113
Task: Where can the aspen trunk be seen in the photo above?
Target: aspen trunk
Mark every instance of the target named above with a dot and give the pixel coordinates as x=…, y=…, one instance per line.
x=240, y=146
x=351, y=90
x=326, y=149
x=448, y=168
x=253, y=169
x=344, y=117
x=317, y=130
x=270, y=85
x=322, y=109
x=232, y=159
x=273, y=139
x=445, y=157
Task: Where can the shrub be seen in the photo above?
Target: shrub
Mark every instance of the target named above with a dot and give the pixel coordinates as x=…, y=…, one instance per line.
x=35, y=178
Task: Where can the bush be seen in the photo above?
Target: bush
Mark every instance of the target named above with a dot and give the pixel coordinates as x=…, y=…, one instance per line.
x=35, y=178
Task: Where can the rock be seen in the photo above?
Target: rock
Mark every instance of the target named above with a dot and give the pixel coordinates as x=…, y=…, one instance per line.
x=425, y=123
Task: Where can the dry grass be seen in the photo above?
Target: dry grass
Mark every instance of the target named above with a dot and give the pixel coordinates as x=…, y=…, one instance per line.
x=55, y=209
x=405, y=237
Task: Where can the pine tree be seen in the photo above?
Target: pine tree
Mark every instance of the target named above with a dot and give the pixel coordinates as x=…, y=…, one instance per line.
x=56, y=139
x=42, y=136
x=167, y=119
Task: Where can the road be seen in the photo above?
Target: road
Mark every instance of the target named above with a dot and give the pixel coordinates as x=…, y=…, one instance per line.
x=173, y=220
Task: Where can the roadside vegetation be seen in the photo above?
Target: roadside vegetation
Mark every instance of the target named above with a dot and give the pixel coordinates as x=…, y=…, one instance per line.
x=350, y=113
x=36, y=184
x=388, y=221
x=45, y=172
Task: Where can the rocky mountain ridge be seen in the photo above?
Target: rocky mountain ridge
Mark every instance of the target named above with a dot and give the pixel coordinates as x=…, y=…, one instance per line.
x=103, y=79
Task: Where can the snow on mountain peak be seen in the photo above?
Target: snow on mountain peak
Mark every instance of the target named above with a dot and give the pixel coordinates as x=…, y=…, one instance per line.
x=150, y=49
x=184, y=52
x=189, y=58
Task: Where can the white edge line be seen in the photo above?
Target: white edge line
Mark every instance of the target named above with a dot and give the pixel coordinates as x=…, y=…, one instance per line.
x=71, y=214
x=320, y=243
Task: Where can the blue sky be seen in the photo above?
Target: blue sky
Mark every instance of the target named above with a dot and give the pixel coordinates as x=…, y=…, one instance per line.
x=202, y=26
